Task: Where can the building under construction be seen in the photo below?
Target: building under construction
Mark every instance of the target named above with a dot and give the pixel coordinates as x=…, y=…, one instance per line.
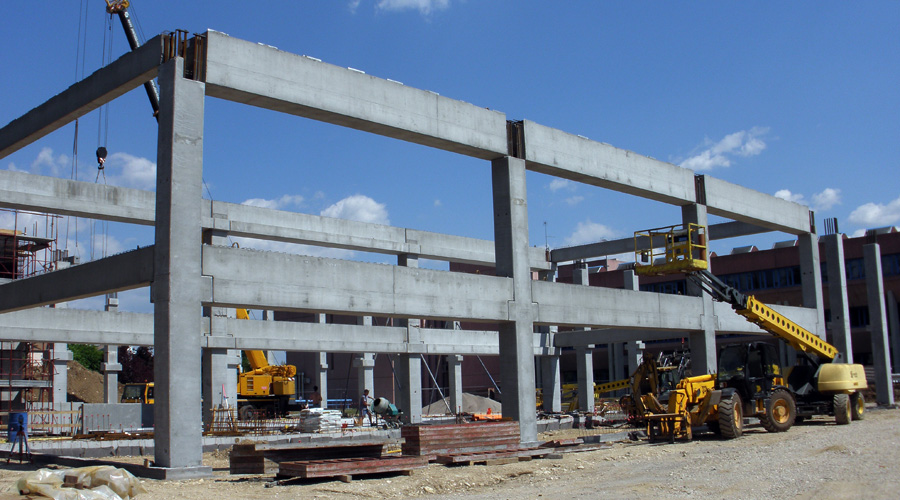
x=191, y=267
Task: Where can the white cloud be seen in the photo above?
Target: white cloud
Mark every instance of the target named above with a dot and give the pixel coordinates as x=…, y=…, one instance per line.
x=359, y=208
x=786, y=194
x=557, y=184
x=589, y=232
x=827, y=199
x=47, y=163
x=125, y=170
x=277, y=204
x=719, y=154
x=437, y=203
x=876, y=214
x=574, y=200
x=423, y=6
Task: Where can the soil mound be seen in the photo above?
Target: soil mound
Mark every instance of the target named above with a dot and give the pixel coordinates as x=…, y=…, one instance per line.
x=86, y=386
x=470, y=404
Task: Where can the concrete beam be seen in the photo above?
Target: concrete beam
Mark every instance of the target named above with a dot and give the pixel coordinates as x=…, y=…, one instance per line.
x=720, y=231
x=22, y=191
x=574, y=305
x=124, y=271
x=263, y=76
x=292, y=227
x=75, y=326
x=107, y=83
x=728, y=323
x=39, y=193
x=746, y=205
x=316, y=284
x=554, y=152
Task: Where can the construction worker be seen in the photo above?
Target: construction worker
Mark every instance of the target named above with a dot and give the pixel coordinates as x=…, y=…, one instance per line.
x=364, y=410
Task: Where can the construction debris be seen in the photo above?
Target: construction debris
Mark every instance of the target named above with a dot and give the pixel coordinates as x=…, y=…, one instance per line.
x=84, y=483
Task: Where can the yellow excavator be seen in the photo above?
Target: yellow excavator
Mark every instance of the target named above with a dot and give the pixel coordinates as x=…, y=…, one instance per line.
x=749, y=382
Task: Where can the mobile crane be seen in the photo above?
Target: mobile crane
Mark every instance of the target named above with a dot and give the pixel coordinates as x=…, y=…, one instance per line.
x=265, y=388
x=749, y=381
x=120, y=8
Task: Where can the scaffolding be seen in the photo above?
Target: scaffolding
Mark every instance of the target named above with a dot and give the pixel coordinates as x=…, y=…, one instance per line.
x=26, y=369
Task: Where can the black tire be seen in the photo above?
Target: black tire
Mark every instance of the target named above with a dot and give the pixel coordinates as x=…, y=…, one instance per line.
x=731, y=417
x=246, y=412
x=781, y=410
x=857, y=406
x=842, y=409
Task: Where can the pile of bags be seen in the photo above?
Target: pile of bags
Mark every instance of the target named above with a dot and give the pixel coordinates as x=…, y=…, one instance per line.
x=320, y=420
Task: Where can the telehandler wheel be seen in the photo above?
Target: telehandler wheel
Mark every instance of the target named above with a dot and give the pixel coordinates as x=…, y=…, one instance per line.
x=780, y=412
x=842, y=409
x=731, y=417
x=246, y=412
x=857, y=406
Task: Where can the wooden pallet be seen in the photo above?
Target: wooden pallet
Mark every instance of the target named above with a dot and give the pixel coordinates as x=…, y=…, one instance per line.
x=558, y=443
x=345, y=468
x=493, y=457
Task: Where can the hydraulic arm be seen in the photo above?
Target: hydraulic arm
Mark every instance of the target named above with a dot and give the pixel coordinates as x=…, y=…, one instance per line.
x=120, y=8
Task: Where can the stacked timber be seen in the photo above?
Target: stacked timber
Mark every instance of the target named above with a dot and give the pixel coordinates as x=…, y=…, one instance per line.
x=434, y=440
x=346, y=468
x=264, y=458
x=320, y=420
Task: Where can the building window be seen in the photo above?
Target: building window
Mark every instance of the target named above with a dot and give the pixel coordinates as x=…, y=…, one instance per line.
x=670, y=287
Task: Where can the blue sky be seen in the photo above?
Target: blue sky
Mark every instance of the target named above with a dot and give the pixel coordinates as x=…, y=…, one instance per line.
x=797, y=99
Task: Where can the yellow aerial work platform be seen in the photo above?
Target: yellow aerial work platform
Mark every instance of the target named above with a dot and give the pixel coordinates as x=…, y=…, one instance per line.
x=670, y=249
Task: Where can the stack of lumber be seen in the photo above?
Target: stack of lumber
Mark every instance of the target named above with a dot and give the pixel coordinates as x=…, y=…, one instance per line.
x=264, y=458
x=434, y=440
x=346, y=468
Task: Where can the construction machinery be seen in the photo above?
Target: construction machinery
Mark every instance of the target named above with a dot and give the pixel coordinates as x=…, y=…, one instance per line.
x=749, y=381
x=120, y=9
x=388, y=412
x=265, y=387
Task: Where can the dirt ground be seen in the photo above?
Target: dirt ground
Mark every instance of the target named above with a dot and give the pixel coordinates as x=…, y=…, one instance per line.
x=86, y=385
x=816, y=460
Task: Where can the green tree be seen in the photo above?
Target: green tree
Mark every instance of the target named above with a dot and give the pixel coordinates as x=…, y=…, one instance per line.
x=88, y=355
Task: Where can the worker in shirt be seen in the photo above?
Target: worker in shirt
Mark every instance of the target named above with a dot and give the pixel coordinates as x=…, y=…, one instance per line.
x=364, y=407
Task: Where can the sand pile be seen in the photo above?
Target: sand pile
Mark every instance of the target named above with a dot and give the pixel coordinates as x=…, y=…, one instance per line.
x=470, y=404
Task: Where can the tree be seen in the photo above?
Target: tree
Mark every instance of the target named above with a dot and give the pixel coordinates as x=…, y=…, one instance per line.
x=137, y=364
x=88, y=355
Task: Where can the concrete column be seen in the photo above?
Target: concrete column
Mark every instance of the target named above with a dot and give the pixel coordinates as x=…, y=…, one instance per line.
x=516, y=335
x=219, y=368
x=615, y=355
x=322, y=370
x=881, y=359
x=61, y=357
x=703, y=342
x=551, y=378
x=408, y=367
x=837, y=296
x=811, y=279
x=111, y=368
x=177, y=284
x=365, y=373
x=634, y=350
x=454, y=367
x=584, y=356
x=894, y=324
x=409, y=371
x=584, y=363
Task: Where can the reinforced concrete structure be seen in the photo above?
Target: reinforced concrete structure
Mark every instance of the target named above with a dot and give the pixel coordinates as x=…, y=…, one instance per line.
x=188, y=271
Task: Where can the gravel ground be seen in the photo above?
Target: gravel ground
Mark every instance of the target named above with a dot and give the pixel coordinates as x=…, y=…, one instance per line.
x=816, y=460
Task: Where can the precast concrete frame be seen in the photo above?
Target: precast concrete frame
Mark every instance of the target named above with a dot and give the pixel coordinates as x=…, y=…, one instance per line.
x=186, y=275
